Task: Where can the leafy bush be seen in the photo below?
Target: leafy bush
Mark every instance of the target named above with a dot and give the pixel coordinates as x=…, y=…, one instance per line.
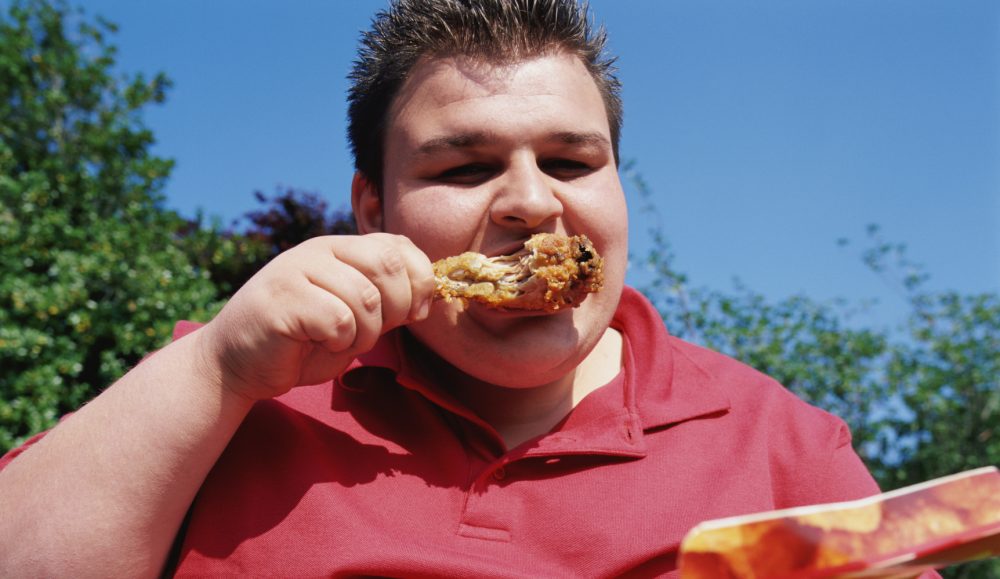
x=92, y=275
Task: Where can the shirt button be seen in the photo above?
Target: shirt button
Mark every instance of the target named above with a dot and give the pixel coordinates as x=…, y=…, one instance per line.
x=499, y=474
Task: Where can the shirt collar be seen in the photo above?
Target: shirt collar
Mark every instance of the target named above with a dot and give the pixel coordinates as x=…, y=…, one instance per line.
x=665, y=385
x=401, y=354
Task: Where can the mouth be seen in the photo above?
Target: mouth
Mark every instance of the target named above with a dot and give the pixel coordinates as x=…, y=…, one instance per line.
x=506, y=251
x=517, y=312
x=502, y=321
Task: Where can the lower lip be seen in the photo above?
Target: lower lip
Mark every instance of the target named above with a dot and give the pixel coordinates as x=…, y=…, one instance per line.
x=516, y=313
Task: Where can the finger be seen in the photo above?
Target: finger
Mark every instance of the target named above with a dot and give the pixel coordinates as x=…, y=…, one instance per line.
x=362, y=297
x=326, y=319
x=419, y=272
x=321, y=365
x=421, y=275
x=398, y=268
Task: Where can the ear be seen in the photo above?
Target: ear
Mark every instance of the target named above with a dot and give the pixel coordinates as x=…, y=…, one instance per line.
x=367, y=204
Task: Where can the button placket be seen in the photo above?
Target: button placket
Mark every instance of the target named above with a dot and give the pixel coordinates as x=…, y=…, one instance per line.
x=496, y=472
x=485, y=514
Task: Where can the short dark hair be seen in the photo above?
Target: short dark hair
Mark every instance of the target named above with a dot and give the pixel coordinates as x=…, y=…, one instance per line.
x=494, y=30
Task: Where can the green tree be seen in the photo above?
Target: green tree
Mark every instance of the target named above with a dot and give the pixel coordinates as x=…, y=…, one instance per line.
x=92, y=275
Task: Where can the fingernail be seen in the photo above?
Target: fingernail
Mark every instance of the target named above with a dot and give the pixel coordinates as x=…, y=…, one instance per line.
x=425, y=309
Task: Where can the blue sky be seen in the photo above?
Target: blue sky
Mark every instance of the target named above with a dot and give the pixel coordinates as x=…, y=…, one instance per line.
x=766, y=130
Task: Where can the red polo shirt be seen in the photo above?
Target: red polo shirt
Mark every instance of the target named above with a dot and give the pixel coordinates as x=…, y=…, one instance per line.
x=382, y=472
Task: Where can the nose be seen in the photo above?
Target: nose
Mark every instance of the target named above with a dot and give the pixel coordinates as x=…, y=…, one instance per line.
x=526, y=197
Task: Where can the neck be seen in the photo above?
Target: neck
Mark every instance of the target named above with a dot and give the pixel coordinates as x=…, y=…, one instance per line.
x=520, y=414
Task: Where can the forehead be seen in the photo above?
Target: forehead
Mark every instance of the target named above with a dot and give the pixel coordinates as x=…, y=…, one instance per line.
x=457, y=85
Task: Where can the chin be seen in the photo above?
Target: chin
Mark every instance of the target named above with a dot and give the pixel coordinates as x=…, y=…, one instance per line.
x=521, y=374
x=515, y=349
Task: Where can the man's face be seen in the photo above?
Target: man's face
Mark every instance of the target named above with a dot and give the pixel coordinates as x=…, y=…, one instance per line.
x=478, y=158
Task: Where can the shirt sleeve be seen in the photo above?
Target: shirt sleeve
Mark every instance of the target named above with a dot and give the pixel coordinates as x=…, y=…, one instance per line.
x=848, y=466
x=814, y=461
x=15, y=452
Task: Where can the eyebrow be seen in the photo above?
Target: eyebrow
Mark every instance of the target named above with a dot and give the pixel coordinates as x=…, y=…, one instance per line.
x=474, y=139
x=457, y=141
x=575, y=138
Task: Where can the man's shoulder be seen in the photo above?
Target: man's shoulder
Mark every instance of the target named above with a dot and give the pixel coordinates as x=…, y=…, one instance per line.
x=810, y=449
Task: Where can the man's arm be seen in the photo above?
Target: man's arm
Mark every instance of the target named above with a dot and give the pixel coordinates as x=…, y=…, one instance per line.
x=105, y=492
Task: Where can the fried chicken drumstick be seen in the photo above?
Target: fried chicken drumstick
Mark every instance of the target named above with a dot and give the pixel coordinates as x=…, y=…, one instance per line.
x=551, y=272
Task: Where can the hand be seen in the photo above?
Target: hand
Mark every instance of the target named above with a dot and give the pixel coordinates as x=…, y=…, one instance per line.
x=303, y=317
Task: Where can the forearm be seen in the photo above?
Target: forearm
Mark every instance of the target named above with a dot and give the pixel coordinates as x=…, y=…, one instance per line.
x=105, y=492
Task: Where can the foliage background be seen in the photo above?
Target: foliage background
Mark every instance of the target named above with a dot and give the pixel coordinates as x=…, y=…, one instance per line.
x=95, y=271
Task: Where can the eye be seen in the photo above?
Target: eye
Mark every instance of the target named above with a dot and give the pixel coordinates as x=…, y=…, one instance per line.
x=565, y=168
x=469, y=174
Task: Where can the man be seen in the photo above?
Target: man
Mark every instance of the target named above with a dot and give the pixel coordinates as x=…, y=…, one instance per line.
x=334, y=419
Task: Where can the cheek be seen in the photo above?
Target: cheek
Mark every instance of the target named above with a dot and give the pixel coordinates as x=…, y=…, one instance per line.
x=607, y=225
x=602, y=214
x=439, y=224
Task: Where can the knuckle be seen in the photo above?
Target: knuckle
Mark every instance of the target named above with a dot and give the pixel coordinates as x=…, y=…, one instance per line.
x=309, y=245
x=325, y=242
x=427, y=280
x=281, y=287
x=390, y=262
x=371, y=299
x=343, y=323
